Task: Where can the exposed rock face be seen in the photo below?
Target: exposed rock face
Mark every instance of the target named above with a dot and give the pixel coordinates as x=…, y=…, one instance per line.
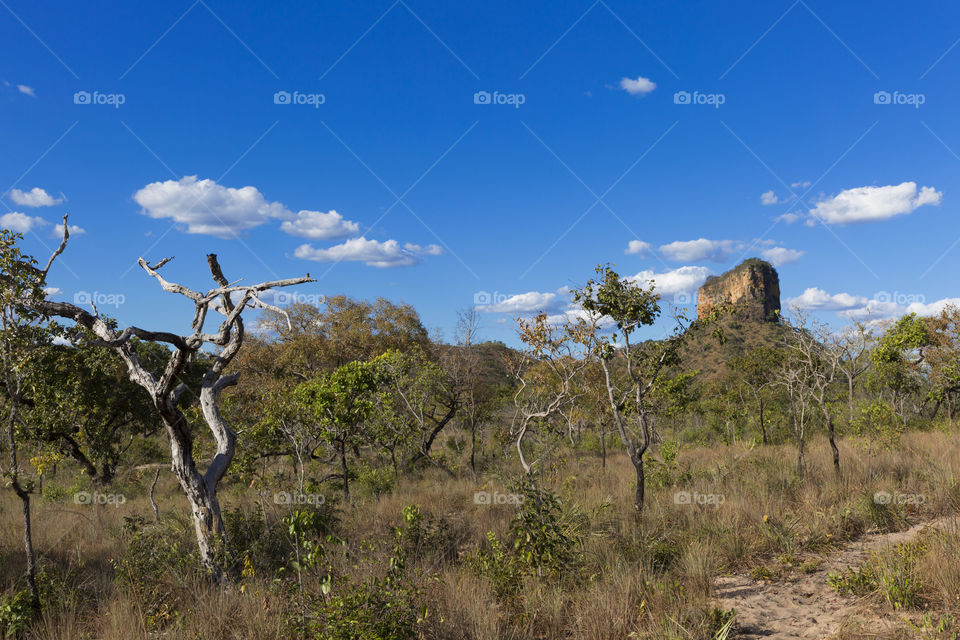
x=753, y=287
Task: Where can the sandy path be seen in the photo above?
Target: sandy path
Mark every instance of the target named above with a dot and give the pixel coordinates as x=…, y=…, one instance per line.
x=802, y=605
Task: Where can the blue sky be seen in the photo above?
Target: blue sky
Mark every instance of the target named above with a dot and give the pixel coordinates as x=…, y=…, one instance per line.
x=486, y=154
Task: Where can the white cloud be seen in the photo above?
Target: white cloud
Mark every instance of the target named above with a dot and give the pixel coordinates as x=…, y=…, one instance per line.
x=932, y=308
x=778, y=256
x=74, y=230
x=318, y=225
x=52, y=291
x=816, y=299
x=803, y=184
x=789, y=218
x=673, y=282
x=768, y=198
x=22, y=88
x=867, y=204
x=638, y=247
x=700, y=249
x=639, y=87
x=36, y=197
x=206, y=207
x=883, y=306
x=371, y=252
x=21, y=222
x=520, y=303
x=429, y=250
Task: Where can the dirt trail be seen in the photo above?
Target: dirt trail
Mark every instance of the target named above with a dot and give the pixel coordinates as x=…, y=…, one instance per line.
x=804, y=605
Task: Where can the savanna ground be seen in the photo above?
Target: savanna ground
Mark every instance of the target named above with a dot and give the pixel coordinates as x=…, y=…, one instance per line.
x=419, y=556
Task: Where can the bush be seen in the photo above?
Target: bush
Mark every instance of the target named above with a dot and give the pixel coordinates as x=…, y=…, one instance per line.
x=546, y=543
x=159, y=560
x=379, y=608
x=896, y=571
x=15, y=614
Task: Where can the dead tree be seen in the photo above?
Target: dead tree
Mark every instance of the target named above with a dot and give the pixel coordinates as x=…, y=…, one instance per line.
x=229, y=300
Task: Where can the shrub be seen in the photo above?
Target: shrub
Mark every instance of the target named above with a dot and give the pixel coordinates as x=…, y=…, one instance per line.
x=544, y=541
x=896, y=570
x=156, y=565
x=15, y=614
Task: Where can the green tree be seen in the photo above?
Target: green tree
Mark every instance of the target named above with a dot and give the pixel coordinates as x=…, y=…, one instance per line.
x=630, y=370
x=943, y=358
x=83, y=404
x=757, y=371
x=23, y=332
x=340, y=402
x=898, y=360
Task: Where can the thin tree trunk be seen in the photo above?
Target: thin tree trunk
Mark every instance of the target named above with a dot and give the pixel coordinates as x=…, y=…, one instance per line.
x=603, y=446
x=31, y=573
x=833, y=440
x=641, y=484
x=763, y=426
x=153, y=503
x=346, y=472
x=24, y=495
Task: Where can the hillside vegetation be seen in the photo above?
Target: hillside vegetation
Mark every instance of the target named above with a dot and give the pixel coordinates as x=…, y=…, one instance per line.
x=332, y=472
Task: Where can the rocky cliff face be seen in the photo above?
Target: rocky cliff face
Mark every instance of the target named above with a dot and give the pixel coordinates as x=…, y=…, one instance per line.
x=753, y=287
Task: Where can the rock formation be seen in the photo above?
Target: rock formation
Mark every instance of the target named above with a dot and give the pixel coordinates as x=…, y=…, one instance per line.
x=752, y=287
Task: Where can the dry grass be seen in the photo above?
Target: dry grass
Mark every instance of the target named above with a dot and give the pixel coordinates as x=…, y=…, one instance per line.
x=646, y=579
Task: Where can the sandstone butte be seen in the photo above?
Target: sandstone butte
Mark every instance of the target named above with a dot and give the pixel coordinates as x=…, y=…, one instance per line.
x=752, y=287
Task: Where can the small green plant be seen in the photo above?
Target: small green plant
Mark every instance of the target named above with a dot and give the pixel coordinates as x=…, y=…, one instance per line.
x=380, y=608
x=721, y=622
x=897, y=575
x=930, y=628
x=156, y=563
x=761, y=572
x=854, y=582
x=503, y=569
x=545, y=542
x=15, y=614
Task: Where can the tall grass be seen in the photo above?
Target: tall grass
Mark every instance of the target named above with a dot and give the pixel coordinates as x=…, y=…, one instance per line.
x=642, y=578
